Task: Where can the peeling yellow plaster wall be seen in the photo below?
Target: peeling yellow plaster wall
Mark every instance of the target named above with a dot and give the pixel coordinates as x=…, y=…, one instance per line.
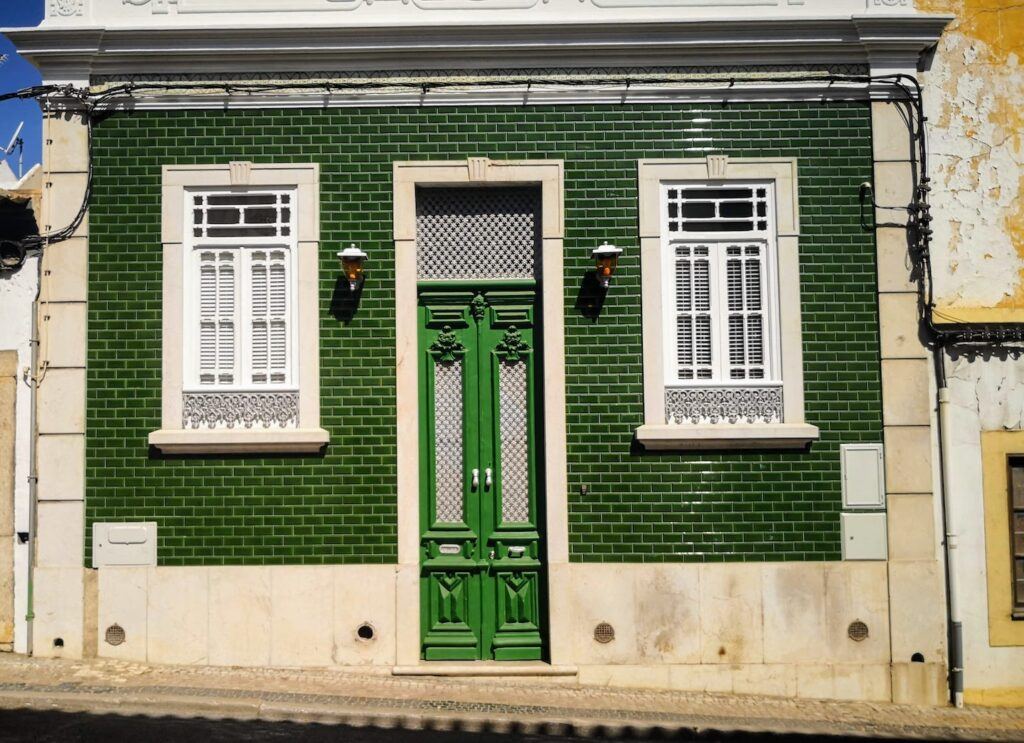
x=975, y=100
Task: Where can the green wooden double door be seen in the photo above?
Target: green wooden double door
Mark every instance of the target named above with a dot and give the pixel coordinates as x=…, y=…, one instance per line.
x=481, y=552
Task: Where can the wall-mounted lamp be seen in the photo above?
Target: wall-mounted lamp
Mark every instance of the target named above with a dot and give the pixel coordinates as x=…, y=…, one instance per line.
x=606, y=259
x=352, y=262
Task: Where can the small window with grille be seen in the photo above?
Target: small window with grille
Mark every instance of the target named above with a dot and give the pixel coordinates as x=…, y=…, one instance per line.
x=240, y=344
x=721, y=329
x=1017, y=534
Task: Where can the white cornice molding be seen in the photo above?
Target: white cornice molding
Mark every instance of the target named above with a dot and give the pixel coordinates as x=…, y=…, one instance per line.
x=895, y=39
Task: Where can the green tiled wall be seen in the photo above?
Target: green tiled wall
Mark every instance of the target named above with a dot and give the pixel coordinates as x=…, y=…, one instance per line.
x=341, y=507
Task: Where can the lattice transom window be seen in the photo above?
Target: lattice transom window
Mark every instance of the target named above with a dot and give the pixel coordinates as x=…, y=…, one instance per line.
x=721, y=329
x=477, y=233
x=720, y=209
x=242, y=215
x=240, y=345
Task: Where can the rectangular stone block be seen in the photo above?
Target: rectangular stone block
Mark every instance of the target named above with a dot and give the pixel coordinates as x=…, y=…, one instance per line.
x=895, y=271
x=857, y=592
x=891, y=135
x=850, y=682
x=66, y=270
x=773, y=680
x=908, y=459
x=63, y=196
x=62, y=328
x=917, y=610
x=906, y=392
x=65, y=144
x=60, y=540
x=793, y=597
x=301, y=613
x=364, y=597
x=61, y=401
x=716, y=679
x=123, y=600
x=58, y=605
x=668, y=613
x=177, y=615
x=898, y=318
x=919, y=684
x=731, y=629
x=604, y=593
x=912, y=527
x=240, y=616
x=894, y=187
x=61, y=460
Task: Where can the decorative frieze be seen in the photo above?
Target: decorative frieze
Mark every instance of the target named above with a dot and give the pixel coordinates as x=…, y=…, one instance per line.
x=702, y=405
x=240, y=409
x=65, y=8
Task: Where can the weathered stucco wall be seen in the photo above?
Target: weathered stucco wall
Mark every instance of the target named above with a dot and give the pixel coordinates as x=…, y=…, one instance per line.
x=974, y=91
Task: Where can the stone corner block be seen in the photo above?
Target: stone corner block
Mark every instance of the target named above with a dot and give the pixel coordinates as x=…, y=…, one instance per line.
x=906, y=392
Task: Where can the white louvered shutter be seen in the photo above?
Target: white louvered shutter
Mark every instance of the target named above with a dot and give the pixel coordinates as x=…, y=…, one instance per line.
x=269, y=316
x=693, y=312
x=745, y=301
x=217, y=316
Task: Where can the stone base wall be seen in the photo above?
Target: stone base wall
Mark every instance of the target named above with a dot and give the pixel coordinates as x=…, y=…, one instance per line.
x=780, y=629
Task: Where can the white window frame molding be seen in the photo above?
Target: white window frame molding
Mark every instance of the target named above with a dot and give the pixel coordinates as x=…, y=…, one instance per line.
x=656, y=433
x=179, y=181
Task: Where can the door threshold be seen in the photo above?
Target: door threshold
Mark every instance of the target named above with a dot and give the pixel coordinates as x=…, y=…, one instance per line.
x=484, y=668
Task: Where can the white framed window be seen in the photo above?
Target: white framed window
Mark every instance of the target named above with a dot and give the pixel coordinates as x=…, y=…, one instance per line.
x=241, y=319
x=240, y=278
x=721, y=314
x=720, y=330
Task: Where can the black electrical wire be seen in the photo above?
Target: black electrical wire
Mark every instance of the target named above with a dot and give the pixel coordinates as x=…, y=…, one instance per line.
x=907, y=87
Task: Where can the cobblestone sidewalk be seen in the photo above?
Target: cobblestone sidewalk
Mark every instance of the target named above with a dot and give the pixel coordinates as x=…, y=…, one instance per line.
x=522, y=705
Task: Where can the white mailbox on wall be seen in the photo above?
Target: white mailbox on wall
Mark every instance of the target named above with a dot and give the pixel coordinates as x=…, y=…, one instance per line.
x=124, y=544
x=863, y=471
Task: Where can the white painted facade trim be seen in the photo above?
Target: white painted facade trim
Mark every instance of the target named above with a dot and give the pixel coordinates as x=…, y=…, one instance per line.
x=73, y=52
x=151, y=13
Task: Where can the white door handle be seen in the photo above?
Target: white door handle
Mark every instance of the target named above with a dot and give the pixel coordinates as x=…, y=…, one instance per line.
x=487, y=478
x=476, y=478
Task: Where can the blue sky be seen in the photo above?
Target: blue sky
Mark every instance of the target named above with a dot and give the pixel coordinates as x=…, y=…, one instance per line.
x=15, y=74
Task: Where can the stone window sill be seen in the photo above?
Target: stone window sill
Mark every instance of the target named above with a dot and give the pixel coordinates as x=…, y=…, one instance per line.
x=727, y=436
x=288, y=441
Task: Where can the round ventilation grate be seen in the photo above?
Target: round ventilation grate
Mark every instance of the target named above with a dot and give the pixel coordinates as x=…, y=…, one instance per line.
x=858, y=631
x=114, y=634
x=604, y=633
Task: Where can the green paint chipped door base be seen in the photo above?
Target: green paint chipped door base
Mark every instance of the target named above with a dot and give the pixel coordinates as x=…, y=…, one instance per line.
x=481, y=553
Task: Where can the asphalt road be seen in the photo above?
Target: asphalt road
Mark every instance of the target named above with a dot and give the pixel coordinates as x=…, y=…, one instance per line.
x=57, y=727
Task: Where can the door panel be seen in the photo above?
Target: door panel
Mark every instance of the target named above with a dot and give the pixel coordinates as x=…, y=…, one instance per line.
x=481, y=551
